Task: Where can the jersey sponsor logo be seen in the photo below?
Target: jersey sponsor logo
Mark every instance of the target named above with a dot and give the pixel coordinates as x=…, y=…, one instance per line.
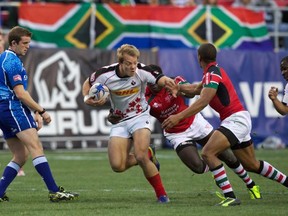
x=17, y=78
x=156, y=105
x=126, y=92
x=93, y=78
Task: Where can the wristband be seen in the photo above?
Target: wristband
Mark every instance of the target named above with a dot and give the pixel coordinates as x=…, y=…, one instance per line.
x=40, y=113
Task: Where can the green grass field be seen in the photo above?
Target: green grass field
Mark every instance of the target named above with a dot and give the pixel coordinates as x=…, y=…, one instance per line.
x=103, y=192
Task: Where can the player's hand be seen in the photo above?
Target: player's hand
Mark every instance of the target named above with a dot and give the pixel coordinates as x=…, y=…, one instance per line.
x=170, y=122
x=39, y=121
x=46, y=117
x=273, y=92
x=113, y=118
x=172, y=87
x=90, y=100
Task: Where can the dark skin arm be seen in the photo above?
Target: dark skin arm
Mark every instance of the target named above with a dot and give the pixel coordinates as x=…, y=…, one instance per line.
x=190, y=90
x=279, y=106
x=206, y=96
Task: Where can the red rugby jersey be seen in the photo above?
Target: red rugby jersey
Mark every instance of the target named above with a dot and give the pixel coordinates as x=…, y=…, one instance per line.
x=163, y=104
x=226, y=101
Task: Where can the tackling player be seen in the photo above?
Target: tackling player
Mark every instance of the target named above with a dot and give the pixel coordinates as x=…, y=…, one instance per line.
x=194, y=129
x=217, y=90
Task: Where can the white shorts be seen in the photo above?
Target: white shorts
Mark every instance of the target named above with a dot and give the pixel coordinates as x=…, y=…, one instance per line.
x=125, y=129
x=199, y=129
x=240, y=125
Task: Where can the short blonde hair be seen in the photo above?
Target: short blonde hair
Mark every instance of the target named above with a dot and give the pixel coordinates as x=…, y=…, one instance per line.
x=127, y=49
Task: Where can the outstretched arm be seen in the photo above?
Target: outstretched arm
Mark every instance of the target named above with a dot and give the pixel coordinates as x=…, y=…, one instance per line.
x=205, y=97
x=190, y=90
x=169, y=84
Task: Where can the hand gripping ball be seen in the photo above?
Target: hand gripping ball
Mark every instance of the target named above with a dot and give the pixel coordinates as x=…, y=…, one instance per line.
x=99, y=91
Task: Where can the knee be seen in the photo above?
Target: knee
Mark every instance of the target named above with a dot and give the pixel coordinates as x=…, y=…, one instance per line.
x=141, y=158
x=118, y=168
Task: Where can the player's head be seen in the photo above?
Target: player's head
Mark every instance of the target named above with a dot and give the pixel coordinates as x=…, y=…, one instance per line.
x=155, y=88
x=15, y=34
x=207, y=53
x=128, y=56
x=127, y=49
x=19, y=39
x=284, y=67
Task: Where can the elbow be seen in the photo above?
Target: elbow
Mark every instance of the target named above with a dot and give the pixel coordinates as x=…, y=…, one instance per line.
x=282, y=110
x=85, y=87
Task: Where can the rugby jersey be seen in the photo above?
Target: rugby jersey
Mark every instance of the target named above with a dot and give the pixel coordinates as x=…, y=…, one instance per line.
x=127, y=94
x=12, y=73
x=226, y=101
x=285, y=97
x=163, y=104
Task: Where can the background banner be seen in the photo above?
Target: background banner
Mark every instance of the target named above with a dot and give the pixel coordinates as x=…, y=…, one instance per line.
x=55, y=81
x=56, y=77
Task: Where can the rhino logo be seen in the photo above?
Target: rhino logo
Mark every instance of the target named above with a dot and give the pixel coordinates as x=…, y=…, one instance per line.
x=57, y=81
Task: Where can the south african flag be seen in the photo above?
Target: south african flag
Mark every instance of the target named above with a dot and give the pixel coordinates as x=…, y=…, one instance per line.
x=108, y=26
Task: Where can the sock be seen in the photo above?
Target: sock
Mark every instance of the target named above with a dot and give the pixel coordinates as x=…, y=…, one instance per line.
x=42, y=167
x=268, y=171
x=242, y=173
x=10, y=172
x=156, y=183
x=222, y=181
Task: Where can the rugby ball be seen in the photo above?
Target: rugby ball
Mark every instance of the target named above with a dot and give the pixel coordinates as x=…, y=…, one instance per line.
x=98, y=91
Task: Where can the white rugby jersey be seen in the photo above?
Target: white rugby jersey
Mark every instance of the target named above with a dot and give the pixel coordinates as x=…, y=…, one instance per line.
x=285, y=97
x=127, y=94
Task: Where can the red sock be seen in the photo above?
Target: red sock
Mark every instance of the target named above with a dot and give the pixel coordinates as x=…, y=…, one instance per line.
x=156, y=183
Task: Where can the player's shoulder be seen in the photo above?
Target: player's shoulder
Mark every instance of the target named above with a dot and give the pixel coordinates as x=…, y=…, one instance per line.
x=11, y=60
x=215, y=70
x=149, y=68
x=106, y=69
